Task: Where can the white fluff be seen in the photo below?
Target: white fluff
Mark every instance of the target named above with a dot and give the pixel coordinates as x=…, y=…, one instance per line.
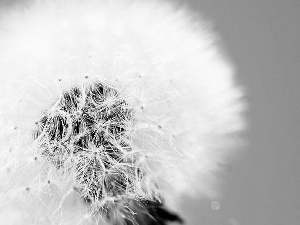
x=165, y=63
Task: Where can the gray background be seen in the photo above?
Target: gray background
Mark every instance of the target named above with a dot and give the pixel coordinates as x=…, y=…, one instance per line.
x=262, y=38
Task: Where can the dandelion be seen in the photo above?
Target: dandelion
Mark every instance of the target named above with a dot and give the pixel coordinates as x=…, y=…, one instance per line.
x=110, y=111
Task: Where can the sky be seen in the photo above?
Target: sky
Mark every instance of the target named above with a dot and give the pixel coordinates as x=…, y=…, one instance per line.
x=262, y=39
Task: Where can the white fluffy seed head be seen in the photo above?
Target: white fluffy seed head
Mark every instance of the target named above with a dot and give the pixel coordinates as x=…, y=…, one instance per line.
x=161, y=71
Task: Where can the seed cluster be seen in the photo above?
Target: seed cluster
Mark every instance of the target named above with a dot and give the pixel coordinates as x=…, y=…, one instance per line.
x=87, y=133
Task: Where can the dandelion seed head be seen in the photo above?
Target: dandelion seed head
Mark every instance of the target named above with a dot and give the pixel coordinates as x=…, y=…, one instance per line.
x=129, y=102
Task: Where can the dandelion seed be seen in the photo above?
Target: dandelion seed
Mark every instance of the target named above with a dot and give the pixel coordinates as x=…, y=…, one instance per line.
x=215, y=205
